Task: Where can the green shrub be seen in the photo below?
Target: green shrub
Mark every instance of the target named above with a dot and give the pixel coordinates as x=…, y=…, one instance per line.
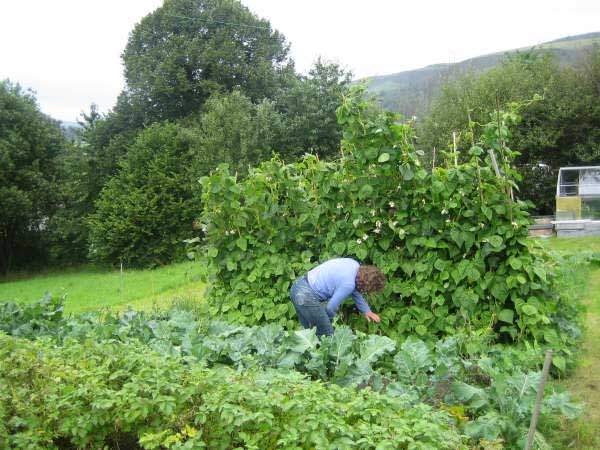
x=144, y=213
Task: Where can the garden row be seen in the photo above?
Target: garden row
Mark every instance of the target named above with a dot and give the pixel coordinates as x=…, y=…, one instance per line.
x=122, y=395
x=488, y=389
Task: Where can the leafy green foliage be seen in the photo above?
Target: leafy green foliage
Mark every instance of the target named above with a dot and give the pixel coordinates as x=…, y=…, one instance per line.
x=308, y=107
x=67, y=228
x=29, y=142
x=223, y=74
x=559, y=129
x=84, y=167
x=452, y=242
x=187, y=50
x=495, y=385
x=235, y=131
x=41, y=318
x=97, y=394
x=145, y=212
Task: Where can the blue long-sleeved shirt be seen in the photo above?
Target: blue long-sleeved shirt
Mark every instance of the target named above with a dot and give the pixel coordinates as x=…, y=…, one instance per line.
x=334, y=280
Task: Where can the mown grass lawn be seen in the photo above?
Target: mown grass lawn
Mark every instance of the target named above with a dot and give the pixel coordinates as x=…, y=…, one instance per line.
x=572, y=245
x=89, y=288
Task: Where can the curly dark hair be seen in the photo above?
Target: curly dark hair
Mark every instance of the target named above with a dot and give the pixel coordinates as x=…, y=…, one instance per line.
x=369, y=280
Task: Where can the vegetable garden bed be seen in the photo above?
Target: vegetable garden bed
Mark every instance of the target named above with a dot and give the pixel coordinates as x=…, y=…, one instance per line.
x=470, y=308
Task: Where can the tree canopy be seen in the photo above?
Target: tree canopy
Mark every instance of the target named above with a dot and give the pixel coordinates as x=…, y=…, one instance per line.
x=29, y=142
x=145, y=212
x=213, y=69
x=186, y=50
x=308, y=108
x=560, y=128
x=233, y=130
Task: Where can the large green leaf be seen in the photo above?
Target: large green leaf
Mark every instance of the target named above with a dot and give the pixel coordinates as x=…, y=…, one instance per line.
x=413, y=358
x=384, y=157
x=374, y=347
x=475, y=397
x=301, y=340
x=506, y=315
x=242, y=243
x=365, y=192
x=339, y=345
x=496, y=241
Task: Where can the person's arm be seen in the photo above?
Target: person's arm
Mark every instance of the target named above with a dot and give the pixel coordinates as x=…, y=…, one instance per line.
x=337, y=298
x=364, y=307
x=360, y=302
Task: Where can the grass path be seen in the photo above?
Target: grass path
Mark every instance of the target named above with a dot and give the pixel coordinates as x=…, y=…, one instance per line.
x=584, y=383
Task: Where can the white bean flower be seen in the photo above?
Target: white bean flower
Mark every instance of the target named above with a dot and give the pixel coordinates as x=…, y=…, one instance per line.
x=392, y=205
x=444, y=212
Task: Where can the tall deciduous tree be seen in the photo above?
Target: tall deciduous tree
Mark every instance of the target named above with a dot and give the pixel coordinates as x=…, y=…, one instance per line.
x=29, y=142
x=183, y=52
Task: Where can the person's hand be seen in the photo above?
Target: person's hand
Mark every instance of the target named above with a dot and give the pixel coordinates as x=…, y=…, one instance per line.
x=372, y=317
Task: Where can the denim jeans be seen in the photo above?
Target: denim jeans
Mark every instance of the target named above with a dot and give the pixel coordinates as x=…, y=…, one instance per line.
x=309, y=307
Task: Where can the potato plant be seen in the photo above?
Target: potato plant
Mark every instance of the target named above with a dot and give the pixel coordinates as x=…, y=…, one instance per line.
x=121, y=395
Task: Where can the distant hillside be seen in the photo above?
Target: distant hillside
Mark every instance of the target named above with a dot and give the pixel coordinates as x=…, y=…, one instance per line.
x=71, y=130
x=411, y=92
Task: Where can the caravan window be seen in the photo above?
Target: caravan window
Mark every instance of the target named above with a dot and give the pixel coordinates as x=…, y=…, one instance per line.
x=569, y=183
x=589, y=182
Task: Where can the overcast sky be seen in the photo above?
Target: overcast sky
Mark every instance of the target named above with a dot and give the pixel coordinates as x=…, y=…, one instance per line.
x=68, y=51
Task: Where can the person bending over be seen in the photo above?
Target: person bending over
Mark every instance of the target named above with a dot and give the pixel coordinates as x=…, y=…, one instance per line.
x=318, y=294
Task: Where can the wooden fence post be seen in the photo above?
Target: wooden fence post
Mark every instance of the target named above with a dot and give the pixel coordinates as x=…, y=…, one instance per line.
x=538, y=401
x=454, y=146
